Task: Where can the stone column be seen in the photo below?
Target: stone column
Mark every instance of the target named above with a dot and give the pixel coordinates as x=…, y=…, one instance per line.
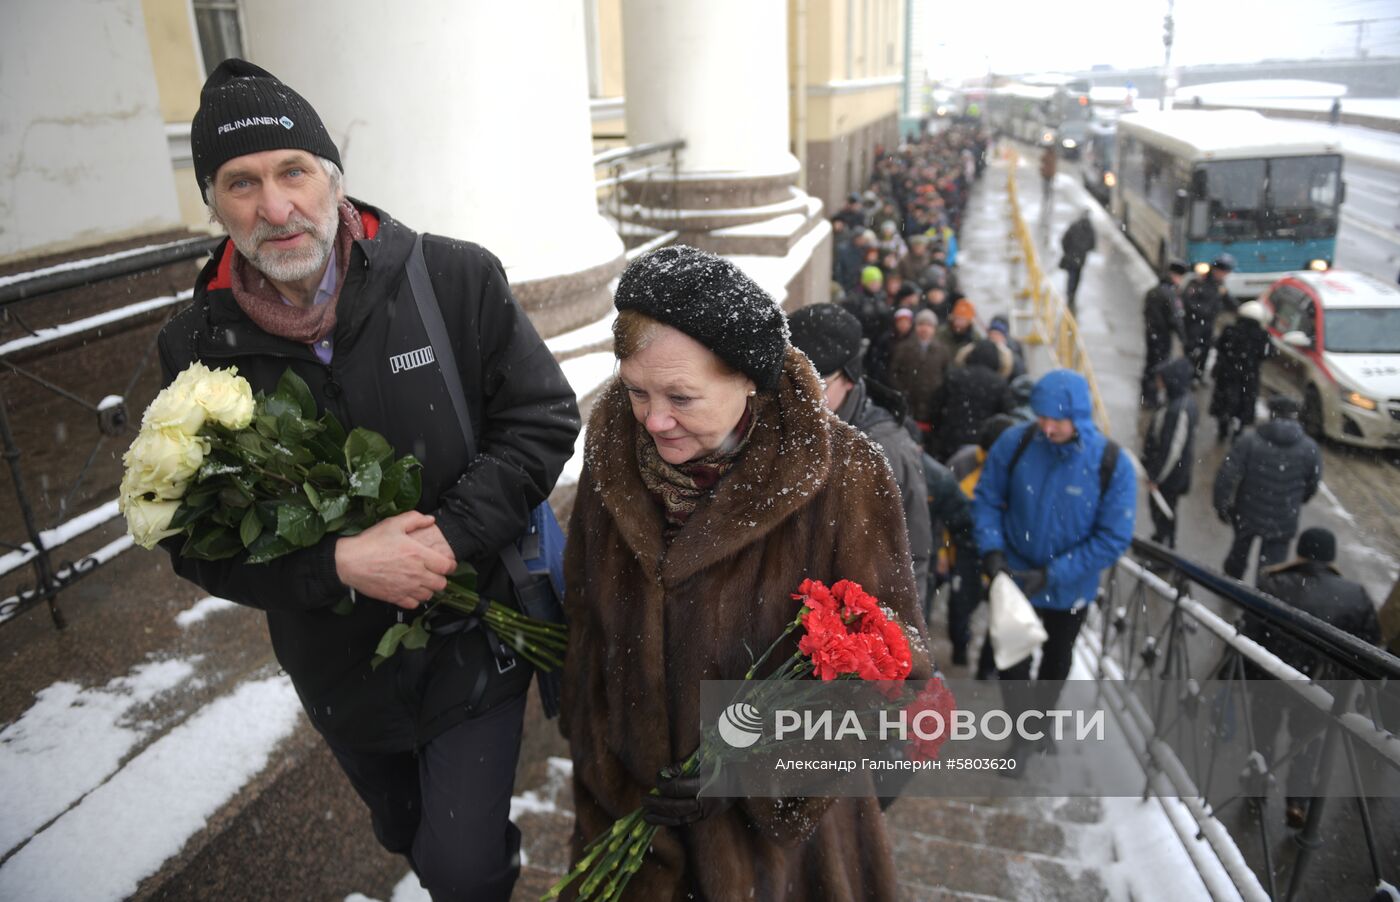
x=463, y=119
x=715, y=74
x=82, y=145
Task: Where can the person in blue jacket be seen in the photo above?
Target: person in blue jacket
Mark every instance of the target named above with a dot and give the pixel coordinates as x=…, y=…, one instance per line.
x=1054, y=513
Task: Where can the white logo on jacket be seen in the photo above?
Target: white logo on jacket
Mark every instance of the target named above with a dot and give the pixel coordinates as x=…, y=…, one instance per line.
x=411, y=360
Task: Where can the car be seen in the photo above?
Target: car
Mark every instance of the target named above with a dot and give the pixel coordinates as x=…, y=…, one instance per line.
x=1336, y=338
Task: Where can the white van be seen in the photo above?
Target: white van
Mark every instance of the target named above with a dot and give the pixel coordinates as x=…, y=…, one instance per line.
x=1336, y=339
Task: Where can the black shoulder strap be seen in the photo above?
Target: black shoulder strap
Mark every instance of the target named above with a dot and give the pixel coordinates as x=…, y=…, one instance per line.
x=431, y=313
x=1107, y=464
x=1026, y=438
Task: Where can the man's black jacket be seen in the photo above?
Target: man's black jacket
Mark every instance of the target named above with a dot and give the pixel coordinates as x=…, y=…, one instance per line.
x=525, y=419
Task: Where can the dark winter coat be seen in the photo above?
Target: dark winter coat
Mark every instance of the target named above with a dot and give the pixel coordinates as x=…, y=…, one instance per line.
x=1050, y=511
x=1320, y=590
x=885, y=429
x=1239, y=351
x=917, y=371
x=847, y=264
x=1168, y=452
x=808, y=497
x=525, y=418
x=970, y=394
x=1201, y=303
x=1076, y=243
x=876, y=326
x=954, y=341
x=948, y=506
x=1163, y=311
x=1266, y=478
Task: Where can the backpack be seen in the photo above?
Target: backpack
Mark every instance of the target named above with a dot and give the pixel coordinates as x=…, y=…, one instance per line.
x=1107, y=463
x=535, y=561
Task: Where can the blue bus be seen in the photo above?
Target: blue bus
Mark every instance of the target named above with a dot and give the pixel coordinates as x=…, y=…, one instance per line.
x=1192, y=184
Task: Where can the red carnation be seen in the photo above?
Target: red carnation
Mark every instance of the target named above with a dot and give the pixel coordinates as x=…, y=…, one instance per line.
x=933, y=697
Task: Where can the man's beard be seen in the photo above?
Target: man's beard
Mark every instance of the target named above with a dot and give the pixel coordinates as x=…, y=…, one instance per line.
x=295, y=264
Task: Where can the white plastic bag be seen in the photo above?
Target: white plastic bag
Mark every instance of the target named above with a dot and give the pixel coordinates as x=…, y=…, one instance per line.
x=1016, y=631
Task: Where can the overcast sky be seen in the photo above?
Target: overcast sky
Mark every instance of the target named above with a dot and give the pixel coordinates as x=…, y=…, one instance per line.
x=1030, y=35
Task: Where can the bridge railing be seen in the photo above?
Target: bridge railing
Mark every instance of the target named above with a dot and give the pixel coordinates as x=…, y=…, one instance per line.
x=1166, y=624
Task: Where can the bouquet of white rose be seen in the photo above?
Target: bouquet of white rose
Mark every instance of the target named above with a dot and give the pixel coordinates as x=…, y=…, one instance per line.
x=263, y=476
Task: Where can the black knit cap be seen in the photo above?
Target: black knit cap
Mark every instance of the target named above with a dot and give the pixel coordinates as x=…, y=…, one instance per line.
x=1317, y=544
x=712, y=301
x=244, y=109
x=830, y=337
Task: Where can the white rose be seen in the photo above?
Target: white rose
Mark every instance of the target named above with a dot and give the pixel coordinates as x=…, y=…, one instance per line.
x=226, y=397
x=149, y=521
x=175, y=408
x=162, y=462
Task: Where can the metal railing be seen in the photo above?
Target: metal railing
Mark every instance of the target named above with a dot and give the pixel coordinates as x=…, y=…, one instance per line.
x=38, y=551
x=633, y=169
x=1051, y=320
x=1149, y=630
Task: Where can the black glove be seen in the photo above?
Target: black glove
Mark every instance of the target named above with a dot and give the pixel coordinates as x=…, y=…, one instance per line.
x=1030, y=581
x=678, y=800
x=994, y=562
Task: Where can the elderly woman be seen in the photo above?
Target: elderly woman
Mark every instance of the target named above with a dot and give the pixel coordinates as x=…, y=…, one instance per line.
x=715, y=480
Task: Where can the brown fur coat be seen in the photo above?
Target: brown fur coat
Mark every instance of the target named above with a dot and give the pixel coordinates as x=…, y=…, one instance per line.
x=809, y=497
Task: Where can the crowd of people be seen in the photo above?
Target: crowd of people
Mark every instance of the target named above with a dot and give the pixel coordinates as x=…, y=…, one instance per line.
x=907, y=337
x=714, y=483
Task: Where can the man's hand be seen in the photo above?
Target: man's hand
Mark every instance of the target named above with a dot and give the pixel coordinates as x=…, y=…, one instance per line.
x=994, y=562
x=1032, y=582
x=387, y=562
x=433, y=538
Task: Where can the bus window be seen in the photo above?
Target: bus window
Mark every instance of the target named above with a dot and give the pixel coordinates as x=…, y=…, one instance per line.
x=1235, y=195
x=1302, y=197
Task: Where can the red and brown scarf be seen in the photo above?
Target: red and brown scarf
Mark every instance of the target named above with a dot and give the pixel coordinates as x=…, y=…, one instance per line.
x=680, y=488
x=259, y=298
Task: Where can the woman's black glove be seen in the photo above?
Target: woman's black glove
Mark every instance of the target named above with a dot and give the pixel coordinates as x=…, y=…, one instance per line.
x=994, y=562
x=678, y=801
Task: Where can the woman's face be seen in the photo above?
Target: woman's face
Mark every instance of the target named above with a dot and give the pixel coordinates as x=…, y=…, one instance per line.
x=684, y=395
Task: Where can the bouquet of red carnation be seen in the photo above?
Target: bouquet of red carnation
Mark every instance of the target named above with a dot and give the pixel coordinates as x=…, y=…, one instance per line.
x=847, y=635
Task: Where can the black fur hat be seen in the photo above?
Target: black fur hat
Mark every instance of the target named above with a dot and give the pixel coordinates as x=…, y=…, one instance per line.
x=714, y=302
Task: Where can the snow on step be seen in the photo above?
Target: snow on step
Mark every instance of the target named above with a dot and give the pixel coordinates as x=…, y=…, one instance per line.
x=71, y=740
x=126, y=829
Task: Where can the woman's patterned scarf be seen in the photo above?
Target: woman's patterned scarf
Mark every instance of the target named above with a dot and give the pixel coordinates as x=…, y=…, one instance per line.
x=680, y=488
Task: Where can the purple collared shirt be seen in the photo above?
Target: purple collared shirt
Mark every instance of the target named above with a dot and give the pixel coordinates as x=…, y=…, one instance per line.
x=324, y=292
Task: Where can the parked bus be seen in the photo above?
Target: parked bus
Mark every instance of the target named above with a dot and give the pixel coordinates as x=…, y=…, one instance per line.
x=1096, y=161
x=1192, y=184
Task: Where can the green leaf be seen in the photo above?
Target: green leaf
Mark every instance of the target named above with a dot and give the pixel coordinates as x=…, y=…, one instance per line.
x=417, y=635
x=252, y=446
x=365, y=480
x=213, y=544
x=299, y=526
x=331, y=429
x=250, y=528
x=268, y=547
x=389, y=643
x=266, y=426
x=333, y=507
x=294, y=387
x=345, y=607
x=231, y=496
x=188, y=513
x=326, y=476
x=365, y=445
x=402, y=485
x=312, y=495
x=465, y=576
